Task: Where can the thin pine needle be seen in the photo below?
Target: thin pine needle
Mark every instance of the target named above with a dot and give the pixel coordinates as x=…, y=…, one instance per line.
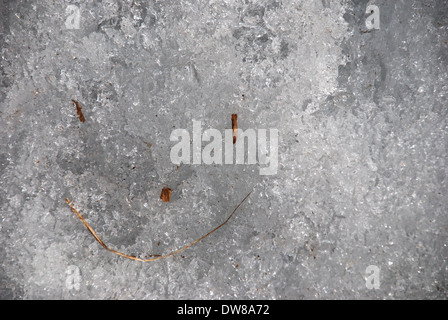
x=152, y=257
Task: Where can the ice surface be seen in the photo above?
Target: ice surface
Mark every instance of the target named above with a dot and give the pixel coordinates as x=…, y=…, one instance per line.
x=362, y=177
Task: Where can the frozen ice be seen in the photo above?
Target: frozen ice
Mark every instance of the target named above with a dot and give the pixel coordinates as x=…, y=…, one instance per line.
x=363, y=137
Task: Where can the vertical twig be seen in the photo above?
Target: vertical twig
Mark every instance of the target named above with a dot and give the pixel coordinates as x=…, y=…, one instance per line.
x=234, y=126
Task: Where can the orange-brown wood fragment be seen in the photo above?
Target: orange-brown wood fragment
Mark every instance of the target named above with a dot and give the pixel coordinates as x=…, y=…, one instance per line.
x=78, y=110
x=234, y=126
x=166, y=195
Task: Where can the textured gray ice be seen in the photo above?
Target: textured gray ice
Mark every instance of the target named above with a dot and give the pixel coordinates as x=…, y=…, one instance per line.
x=362, y=176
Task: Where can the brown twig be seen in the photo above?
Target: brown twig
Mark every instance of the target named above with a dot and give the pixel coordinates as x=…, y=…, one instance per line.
x=166, y=195
x=234, y=126
x=154, y=257
x=78, y=110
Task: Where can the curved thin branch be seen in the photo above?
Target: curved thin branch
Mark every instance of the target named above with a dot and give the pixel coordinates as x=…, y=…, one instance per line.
x=154, y=257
